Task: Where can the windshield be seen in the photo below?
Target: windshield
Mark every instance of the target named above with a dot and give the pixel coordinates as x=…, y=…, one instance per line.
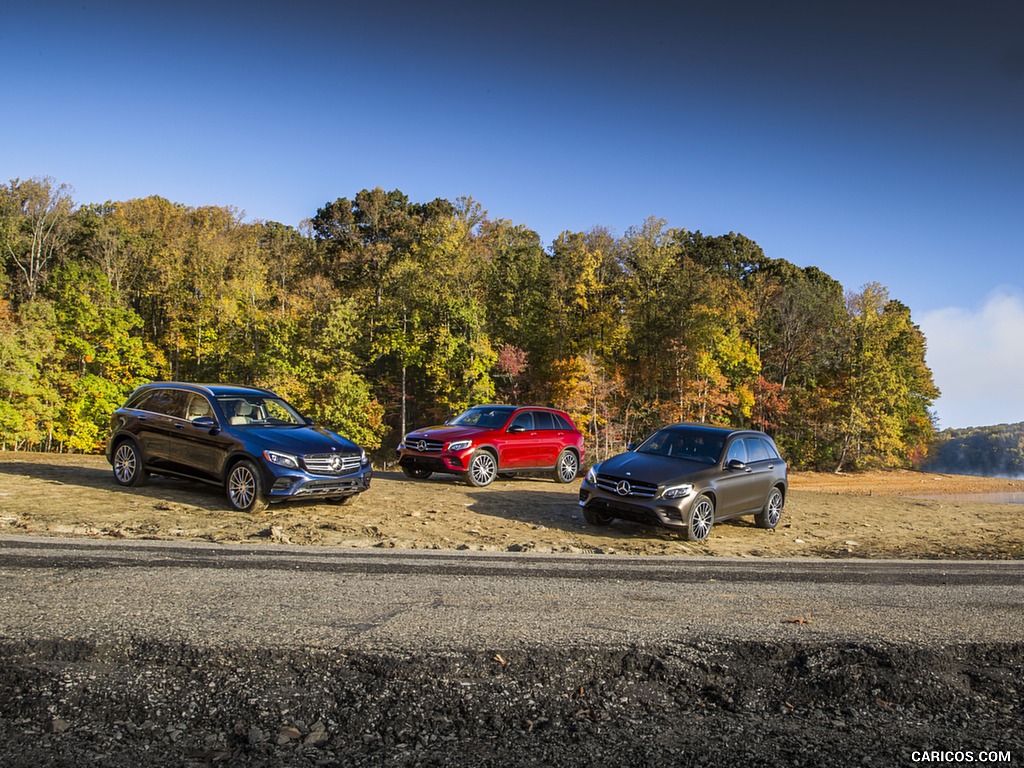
x=256, y=409
x=488, y=416
x=685, y=443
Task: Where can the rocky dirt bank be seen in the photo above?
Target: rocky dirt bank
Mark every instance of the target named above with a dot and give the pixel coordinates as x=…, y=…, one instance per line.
x=707, y=704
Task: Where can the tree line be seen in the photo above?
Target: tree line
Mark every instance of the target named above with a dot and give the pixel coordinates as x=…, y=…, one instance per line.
x=379, y=314
x=994, y=451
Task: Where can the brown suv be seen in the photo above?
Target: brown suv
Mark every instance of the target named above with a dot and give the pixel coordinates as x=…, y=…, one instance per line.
x=688, y=477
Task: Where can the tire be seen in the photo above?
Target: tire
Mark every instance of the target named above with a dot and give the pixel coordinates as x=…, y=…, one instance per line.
x=483, y=468
x=244, y=488
x=127, y=465
x=416, y=474
x=700, y=518
x=597, y=518
x=567, y=466
x=769, y=517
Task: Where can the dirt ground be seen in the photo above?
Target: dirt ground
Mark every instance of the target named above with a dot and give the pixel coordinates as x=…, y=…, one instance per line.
x=896, y=514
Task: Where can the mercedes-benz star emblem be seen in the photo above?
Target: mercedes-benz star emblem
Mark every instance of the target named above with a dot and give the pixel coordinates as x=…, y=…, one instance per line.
x=421, y=445
x=336, y=463
x=623, y=488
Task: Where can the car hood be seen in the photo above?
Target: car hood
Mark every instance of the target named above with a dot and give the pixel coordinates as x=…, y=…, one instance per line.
x=447, y=433
x=300, y=441
x=654, y=469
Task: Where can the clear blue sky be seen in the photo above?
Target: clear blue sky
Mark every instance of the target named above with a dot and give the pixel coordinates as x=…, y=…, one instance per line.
x=880, y=141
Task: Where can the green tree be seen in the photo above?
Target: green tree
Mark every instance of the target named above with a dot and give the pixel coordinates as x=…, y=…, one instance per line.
x=585, y=302
x=888, y=386
x=516, y=283
x=27, y=401
x=98, y=356
x=36, y=227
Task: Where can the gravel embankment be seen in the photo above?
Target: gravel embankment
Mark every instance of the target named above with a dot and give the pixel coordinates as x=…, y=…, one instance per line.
x=135, y=702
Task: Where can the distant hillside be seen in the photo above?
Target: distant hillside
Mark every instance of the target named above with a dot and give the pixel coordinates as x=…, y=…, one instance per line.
x=996, y=451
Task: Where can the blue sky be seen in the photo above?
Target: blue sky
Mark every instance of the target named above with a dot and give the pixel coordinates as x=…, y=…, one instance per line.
x=879, y=141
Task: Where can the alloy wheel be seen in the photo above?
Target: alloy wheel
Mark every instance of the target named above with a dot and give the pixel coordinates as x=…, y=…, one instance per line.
x=483, y=469
x=568, y=467
x=772, y=509
x=241, y=487
x=702, y=517
x=126, y=463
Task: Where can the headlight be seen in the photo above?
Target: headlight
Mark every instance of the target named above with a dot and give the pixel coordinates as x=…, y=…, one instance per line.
x=677, y=491
x=282, y=459
x=460, y=445
x=362, y=456
x=592, y=474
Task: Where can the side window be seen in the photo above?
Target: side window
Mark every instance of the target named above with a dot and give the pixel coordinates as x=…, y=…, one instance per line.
x=756, y=449
x=524, y=420
x=737, y=450
x=544, y=420
x=562, y=423
x=198, y=407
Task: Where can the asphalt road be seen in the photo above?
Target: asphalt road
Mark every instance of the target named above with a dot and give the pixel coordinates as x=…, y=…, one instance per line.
x=302, y=597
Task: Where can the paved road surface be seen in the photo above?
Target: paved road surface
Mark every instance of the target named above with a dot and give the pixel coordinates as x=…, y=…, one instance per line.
x=288, y=597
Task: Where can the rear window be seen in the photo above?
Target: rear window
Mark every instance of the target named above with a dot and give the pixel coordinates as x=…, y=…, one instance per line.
x=169, y=402
x=563, y=423
x=544, y=420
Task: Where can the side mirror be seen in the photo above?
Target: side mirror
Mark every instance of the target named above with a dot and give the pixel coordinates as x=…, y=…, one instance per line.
x=204, y=422
x=630, y=446
x=735, y=464
x=516, y=429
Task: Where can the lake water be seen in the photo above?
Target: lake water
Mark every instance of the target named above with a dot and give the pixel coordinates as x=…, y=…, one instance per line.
x=1006, y=497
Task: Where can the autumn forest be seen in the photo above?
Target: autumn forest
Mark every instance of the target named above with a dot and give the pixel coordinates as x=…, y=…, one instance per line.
x=379, y=314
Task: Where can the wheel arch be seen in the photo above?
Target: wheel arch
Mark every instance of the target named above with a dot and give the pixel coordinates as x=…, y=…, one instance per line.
x=233, y=459
x=711, y=493
x=119, y=437
x=491, y=449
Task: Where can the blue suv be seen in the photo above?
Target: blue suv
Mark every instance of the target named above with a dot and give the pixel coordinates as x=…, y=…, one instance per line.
x=247, y=440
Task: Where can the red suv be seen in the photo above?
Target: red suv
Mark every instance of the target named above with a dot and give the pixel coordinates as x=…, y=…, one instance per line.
x=492, y=440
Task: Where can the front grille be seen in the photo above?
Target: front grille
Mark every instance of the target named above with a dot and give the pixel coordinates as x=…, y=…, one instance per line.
x=636, y=488
x=423, y=445
x=331, y=463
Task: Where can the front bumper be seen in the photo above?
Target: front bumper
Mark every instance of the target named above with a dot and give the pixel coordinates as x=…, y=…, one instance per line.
x=669, y=513
x=297, y=484
x=448, y=462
